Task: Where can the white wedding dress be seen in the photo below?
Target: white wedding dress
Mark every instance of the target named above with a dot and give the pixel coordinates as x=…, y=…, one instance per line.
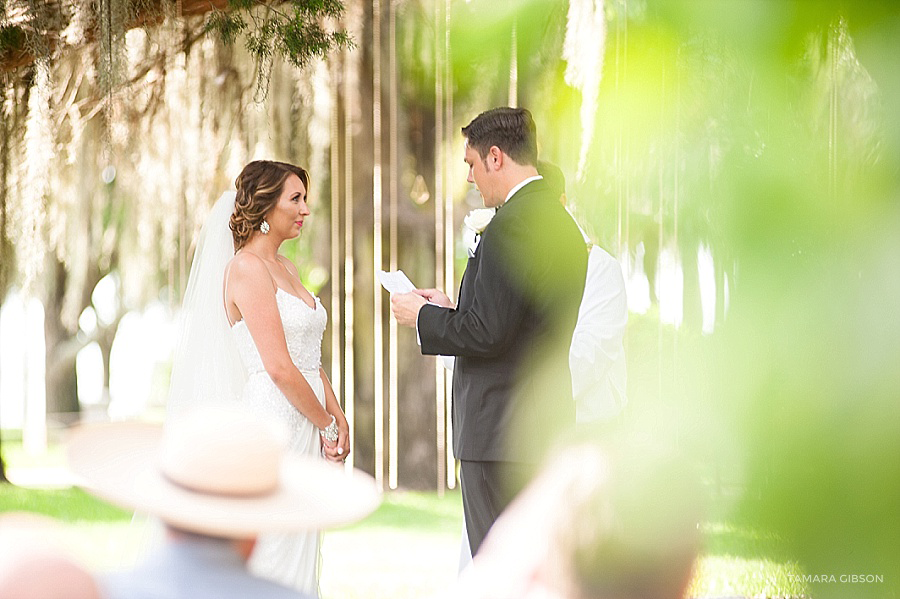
x=289, y=558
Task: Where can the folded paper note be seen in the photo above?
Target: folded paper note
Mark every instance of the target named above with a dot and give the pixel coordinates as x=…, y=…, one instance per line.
x=395, y=281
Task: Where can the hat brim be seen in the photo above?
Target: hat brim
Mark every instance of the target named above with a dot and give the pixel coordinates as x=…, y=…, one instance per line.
x=119, y=462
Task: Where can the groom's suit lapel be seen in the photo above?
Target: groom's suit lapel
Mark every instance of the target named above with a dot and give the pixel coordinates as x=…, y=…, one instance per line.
x=474, y=263
x=468, y=277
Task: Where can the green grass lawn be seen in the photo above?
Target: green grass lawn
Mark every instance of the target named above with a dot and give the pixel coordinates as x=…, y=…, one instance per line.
x=738, y=561
x=408, y=548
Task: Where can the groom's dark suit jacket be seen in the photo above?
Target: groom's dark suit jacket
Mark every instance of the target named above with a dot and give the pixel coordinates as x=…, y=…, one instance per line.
x=511, y=330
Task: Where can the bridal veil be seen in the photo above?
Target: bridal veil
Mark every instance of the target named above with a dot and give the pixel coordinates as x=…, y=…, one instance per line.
x=207, y=367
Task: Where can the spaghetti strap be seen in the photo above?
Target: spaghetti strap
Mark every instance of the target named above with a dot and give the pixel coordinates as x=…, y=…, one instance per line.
x=225, y=294
x=284, y=266
x=293, y=276
x=225, y=285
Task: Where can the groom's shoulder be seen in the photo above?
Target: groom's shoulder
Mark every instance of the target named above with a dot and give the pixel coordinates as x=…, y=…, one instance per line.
x=534, y=189
x=524, y=202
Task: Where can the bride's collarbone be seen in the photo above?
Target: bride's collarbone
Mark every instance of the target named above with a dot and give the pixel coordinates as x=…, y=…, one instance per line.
x=285, y=280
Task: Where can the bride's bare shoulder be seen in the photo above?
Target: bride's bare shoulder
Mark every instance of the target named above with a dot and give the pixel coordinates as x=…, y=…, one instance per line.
x=247, y=268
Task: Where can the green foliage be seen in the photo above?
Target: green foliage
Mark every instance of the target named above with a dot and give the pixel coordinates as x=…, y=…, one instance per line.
x=292, y=31
x=764, y=131
x=774, y=134
x=241, y=4
x=299, y=40
x=12, y=40
x=15, y=41
x=481, y=54
x=227, y=25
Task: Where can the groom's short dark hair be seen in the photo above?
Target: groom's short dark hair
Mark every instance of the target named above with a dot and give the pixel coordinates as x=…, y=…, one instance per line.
x=510, y=129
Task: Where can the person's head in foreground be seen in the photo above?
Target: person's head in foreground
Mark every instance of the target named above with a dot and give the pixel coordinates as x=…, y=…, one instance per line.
x=34, y=565
x=217, y=472
x=594, y=525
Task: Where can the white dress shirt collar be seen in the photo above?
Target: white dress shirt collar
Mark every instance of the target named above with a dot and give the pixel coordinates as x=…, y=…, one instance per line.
x=519, y=186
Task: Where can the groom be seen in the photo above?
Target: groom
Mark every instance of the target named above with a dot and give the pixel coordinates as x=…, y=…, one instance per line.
x=511, y=330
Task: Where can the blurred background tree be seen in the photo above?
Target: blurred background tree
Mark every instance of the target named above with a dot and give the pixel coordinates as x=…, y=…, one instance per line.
x=111, y=132
x=84, y=81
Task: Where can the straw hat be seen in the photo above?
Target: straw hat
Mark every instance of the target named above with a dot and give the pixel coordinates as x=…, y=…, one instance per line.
x=221, y=472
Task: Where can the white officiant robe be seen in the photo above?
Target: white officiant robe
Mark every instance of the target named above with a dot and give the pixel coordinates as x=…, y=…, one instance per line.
x=597, y=353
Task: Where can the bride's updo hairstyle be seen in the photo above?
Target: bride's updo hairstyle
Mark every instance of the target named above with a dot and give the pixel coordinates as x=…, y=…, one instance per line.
x=259, y=186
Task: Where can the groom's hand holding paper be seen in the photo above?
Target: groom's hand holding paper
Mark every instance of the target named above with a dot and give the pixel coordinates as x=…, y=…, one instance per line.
x=406, y=299
x=435, y=297
x=405, y=302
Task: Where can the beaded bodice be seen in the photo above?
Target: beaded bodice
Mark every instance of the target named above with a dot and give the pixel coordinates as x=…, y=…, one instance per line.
x=303, y=330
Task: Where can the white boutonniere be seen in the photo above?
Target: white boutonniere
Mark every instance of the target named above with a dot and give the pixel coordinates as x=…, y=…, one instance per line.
x=474, y=225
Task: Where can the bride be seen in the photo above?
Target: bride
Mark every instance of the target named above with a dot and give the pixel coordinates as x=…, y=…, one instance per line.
x=253, y=333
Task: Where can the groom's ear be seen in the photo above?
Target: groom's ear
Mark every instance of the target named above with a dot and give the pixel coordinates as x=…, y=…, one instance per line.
x=495, y=159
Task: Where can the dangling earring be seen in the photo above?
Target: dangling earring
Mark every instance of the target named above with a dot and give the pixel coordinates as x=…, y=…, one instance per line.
x=264, y=228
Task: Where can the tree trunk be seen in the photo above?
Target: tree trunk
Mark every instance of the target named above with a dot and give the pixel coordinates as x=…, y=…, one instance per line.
x=692, y=307
x=3, y=478
x=61, y=348
x=649, y=235
x=105, y=341
x=719, y=270
x=6, y=248
x=62, y=383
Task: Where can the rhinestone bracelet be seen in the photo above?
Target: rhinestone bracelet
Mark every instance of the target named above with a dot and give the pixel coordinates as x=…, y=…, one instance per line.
x=330, y=432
